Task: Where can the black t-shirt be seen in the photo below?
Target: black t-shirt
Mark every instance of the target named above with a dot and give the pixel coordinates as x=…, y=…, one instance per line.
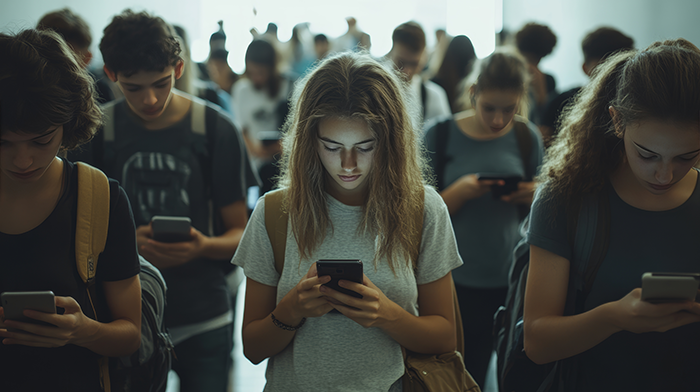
x=640, y=241
x=44, y=259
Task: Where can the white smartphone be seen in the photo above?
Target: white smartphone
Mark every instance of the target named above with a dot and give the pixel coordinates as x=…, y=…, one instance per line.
x=660, y=287
x=171, y=228
x=15, y=302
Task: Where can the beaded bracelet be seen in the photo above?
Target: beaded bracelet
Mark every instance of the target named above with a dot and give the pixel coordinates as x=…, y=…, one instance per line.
x=285, y=326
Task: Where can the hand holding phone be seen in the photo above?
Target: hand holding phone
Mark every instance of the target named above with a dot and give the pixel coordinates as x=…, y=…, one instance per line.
x=171, y=228
x=341, y=269
x=15, y=302
x=510, y=183
x=662, y=287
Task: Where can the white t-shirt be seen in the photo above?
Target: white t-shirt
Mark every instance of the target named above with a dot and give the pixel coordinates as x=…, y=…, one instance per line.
x=254, y=109
x=332, y=352
x=436, y=104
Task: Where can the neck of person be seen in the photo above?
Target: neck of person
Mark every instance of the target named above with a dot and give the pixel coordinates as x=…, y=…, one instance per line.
x=631, y=191
x=49, y=186
x=175, y=111
x=468, y=124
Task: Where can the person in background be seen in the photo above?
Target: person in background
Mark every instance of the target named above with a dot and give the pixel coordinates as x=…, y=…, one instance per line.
x=353, y=178
x=486, y=142
x=457, y=64
x=596, y=46
x=353, y=40
x=536, y=41
x=321, y=46
x=260, y=105
x=48, y=106
x=169, y=167
x=76, y=32
x=407, y=54
x=633, y=134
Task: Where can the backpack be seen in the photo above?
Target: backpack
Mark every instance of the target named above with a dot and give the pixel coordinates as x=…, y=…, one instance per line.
x=147, y=368
x=442, y=133
x=276, y=219
x=588, y=231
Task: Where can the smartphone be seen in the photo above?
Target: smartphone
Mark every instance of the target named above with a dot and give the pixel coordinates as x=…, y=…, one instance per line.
x=660, y=287
x=341, y=269
x=171, y=228
x=510, y=184
x=15, y=302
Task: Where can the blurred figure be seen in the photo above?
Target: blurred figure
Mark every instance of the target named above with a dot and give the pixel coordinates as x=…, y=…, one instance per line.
x=597, y=45
x=77, y=34
x=442, y=40
x=354, y=39
x=259, y=104
x=191, y=82
x=456, y=66
x=321, y=46
x=535, y=41
x=408, y=56
x=299, y=54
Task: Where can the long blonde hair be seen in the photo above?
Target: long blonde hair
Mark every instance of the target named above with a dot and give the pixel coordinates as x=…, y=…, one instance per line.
x=354, y=86
x=660, y=82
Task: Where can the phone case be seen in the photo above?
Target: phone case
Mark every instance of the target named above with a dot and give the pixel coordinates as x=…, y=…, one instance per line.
x=510, y=186
x=660, y=287
x=15, y=302
x=341, y=269
x=171, y=228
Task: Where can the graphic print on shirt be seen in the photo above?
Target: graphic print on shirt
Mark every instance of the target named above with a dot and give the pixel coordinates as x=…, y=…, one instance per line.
x=157, y=183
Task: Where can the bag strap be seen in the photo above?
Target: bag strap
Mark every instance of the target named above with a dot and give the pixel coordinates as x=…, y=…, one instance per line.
x=424, y=99
x=524, y=138
x=442, y=133
x=91, y=229
x=276, y=218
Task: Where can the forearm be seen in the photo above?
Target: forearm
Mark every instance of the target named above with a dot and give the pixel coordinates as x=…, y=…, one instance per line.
x=431, y=334
x=454, y=196
x=263, y=339
x=115, y=339
x=551, y=338
x=224, y=246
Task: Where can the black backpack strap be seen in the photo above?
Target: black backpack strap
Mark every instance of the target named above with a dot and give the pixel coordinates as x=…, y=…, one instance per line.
x=424, y=98
x=442, y=133
x=522, y=134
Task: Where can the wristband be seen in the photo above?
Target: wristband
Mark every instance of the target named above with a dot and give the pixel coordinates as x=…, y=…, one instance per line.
x=285, y=326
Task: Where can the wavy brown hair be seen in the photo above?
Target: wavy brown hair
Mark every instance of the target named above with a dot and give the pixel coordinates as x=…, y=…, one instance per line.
x=354, y=86
x=43, y=85
x=660, y=82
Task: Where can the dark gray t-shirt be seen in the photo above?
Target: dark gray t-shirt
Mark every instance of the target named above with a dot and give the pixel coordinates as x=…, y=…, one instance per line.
x=164, y=172
x=332, y=352
x=486, y=228
x=640, y=241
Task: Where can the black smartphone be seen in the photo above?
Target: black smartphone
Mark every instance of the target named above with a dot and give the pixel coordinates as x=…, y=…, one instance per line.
x=341, y=269
x=510, y=184
x=171, y=228
x=15, y=302
x=660, y=287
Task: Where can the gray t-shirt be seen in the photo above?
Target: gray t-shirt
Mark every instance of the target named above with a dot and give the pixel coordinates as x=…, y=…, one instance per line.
x=487, y=229
x=332, y=352
x=640, y=241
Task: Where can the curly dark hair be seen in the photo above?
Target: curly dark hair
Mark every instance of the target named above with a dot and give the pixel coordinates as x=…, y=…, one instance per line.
x=604, y=41
x=44, y=86
x=135, y=42
x=535, y=39
x=659, y=82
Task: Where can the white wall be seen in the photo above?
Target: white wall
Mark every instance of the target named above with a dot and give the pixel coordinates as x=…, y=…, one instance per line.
x=644, y=20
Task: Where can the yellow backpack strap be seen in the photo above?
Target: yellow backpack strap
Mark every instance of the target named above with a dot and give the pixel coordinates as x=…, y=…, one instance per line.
x=276, y=219
x=92, y=220
x=91, y=228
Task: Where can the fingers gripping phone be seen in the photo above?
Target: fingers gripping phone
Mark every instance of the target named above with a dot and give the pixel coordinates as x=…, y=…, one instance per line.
x=661, y=287
x=15, y=302
x=510, y=184
x=171, y=228
x=341, y=269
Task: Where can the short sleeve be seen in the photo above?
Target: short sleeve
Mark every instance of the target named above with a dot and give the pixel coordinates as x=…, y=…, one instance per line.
x=254, y=252
x=548, y=225
x=232, y=171
x=439, y=254
x=120, y=259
